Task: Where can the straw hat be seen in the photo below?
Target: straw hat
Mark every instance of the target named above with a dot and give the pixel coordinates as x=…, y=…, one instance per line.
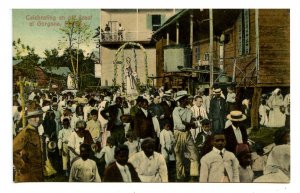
x=181, y=94
x=217, y=91
x=81, y=100
x=51, y=146
x=34, y=110
x=236, y=116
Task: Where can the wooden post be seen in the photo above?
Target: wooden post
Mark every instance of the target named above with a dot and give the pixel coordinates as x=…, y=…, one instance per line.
x=191, y=31
x=177, y=33
x=257, y=44
x=211, y=39
x=168, y=39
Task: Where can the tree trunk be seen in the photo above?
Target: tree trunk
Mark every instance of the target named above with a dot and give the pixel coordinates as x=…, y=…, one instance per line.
x=255, y=107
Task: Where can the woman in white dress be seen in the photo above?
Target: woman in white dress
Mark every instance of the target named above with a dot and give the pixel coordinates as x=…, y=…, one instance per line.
x=277, y=115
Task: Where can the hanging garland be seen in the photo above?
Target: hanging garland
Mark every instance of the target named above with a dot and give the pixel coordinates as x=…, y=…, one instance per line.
x=115, y=62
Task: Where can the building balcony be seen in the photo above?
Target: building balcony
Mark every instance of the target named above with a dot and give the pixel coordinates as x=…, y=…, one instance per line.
x=107, y=38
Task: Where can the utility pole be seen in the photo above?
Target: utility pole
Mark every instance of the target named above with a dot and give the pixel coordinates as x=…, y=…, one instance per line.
x=211, y=41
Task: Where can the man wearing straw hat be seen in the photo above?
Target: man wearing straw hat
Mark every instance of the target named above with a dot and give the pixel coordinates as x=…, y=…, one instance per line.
x=27, y=154
x=182, y=117
x=236, y=134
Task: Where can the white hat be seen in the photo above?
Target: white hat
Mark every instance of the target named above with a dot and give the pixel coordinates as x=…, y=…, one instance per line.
x=217, y=91
x=107, y=98
x=54, y=86
x=201, y=89
x=81, y=100
x=181, y=94
x=236, y=116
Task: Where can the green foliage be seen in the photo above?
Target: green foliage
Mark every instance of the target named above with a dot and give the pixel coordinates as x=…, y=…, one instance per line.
x=75, y=33
x=28, y=56
x=52, y=59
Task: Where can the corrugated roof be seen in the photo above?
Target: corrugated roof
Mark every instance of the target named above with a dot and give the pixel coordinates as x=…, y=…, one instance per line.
x=61, y=71
x=170, y=21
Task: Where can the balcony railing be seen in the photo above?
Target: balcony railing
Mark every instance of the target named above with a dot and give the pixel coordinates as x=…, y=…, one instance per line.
x=125, y=36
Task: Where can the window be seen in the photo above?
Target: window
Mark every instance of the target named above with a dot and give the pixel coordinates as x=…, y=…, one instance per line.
x=197, y=53
x=156, y=22
x=206, y=57
x=243, y=32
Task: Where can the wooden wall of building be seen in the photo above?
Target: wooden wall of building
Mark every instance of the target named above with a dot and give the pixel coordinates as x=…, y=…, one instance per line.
x=274, y=33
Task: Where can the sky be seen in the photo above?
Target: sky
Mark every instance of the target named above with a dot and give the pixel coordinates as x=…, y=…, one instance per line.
x=37, y=36
x=39, y=28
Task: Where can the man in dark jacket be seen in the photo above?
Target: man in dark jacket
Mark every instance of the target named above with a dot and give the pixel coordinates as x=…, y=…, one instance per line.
x=236, y=134
x=121, y=170
x=143, y=125
x=217, y=111
x=113, y=114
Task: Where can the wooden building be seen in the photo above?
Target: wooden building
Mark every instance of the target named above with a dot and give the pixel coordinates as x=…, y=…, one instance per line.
x=247, y=48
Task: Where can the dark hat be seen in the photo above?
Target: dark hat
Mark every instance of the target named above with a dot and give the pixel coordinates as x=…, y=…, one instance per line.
x=205, y=122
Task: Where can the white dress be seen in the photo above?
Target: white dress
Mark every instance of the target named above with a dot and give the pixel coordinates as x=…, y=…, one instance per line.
x=264, y=119
x=130, y=82
x=276, y=117
x=167, y=141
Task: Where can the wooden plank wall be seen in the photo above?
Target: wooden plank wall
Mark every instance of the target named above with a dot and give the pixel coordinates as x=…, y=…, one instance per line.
x=274, y=32
x=245, y=62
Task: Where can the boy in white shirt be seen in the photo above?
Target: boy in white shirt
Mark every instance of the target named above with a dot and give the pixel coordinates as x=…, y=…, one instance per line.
x=63, y=139
x=93, y=126
x=167, y=142
x=84, y=169
x=108, y=152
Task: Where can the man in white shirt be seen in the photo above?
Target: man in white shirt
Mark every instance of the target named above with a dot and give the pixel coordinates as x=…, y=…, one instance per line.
x=219, y=165
x=199, y=113
x=182, y=117
x=150, y=166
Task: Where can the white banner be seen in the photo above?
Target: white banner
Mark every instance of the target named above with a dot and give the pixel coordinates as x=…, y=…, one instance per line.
x=97, y=70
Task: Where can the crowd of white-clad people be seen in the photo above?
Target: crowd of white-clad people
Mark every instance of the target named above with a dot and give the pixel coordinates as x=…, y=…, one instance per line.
x=165, y=136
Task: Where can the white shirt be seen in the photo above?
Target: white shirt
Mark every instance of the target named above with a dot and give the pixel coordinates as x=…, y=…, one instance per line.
x=74, y=142
x=74, y=120
x=231, y=97
x=238, y=134
x=181, y=114
x=94, y=128
x=166, y=139
x=145, y=112
x=63, y=137
x=199, y=112
x=150, y=169
x=109, y=154
x=132, y=146
x=84, y=171
x=124, y=170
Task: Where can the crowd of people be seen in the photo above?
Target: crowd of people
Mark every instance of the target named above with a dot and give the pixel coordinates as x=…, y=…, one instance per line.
x=165, y=136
